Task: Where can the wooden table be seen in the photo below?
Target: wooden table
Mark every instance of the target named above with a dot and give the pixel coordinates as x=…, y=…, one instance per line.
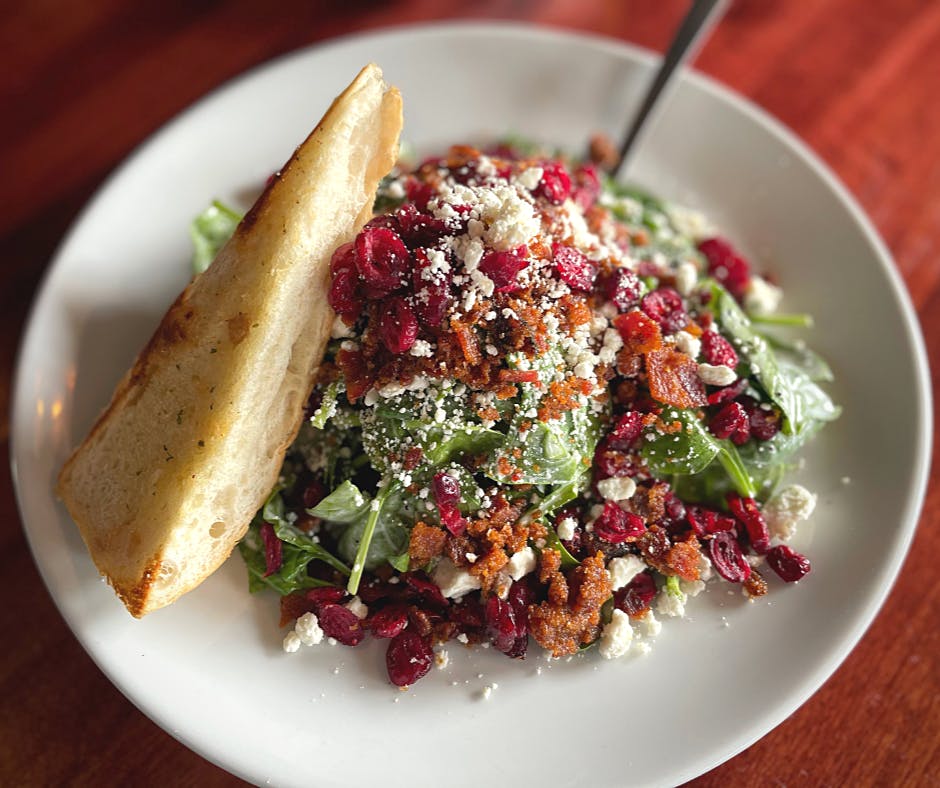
x=83, y=83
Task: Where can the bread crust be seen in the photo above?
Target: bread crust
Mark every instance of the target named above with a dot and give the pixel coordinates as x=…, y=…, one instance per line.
x=171, y=473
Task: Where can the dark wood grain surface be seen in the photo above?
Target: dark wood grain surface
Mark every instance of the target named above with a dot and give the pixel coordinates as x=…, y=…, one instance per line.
x=83, y=83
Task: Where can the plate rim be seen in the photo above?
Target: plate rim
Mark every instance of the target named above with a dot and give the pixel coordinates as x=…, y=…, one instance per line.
x=914, y=496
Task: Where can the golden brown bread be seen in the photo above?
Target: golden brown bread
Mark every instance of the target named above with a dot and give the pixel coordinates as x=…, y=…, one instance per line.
x=171, y=474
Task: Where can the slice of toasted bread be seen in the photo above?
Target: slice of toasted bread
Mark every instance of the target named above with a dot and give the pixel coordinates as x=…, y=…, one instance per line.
x=171, y=474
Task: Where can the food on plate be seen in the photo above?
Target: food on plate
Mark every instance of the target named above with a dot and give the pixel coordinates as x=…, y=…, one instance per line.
x=193, y=440
x=551, y=410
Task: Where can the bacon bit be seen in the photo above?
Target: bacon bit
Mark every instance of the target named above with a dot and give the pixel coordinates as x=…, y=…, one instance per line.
x=640, y=238
x=412, y=458
x=629, y=364
x=673, y=379
x=354, y=368
x=518, y=376
x=505, y=391
x=427, y=542
x=293, y=606
x=468, y=342
x=755, y=585
x=563, y=396
x=640, y=334
x=574, y=311
x=694, y=329
x=487, y=568
x=561, y=626
x=684, y=558
x=654, y=546
x=488, y=414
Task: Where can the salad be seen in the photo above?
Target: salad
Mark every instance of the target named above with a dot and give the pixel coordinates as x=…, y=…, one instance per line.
x=552, y=410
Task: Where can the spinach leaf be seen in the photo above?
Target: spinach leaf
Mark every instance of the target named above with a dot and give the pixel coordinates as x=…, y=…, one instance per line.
x=345, y=505
x=209, y=231
x=376, y=537
x=438, y=424
x=798, y=355
x=551, y=502
x=689, y=450
x=548, y=452
x=297, y=551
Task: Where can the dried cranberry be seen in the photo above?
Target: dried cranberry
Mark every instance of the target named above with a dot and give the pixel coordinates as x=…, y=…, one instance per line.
x=382, y=259
x=728, y=559
x=728, y=393
x=344, y=296
x=622, y=288
x=468, y=613
x=731, y=422
x=344, y=259
x=586, y=187
x=616, y=525
x=341, y=623
x=326, y=595
x=673, y=507
x=389, y=621
x=706, y=522
x=555, y=185
x=504, y=628
x=398, y=326
x=377, y=590
x=408, y=658
x=426, y=590
x=726, y=265
x=664, y=305
x=626, y=431
x=419, y=192
x=272, y=549
x=789, y=564
x=313, y=493
x=573, y=267
x=747, y=512
x=503, y=267
x=447, y=495
x=637, y=595
x=416, y=228
x=611, y=462
x=764, y=423
x=718, y=350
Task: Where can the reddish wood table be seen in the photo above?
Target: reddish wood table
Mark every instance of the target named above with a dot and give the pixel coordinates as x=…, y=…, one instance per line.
x=83, y=84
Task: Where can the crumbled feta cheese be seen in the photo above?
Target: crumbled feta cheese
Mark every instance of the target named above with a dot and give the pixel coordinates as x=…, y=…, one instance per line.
x=617, y=488
x=453, y=581
x=340, y=329
x=716, y=374
x=704, y=568
x=291, y=642
x=357, y=608
x=421, y=348
x=688, y=344
x=623, y=569
x=761, y=297
x=462, y=637
x=530, y=178
x=616, y=636
x=565, y=529
x=670, y=604
x=649, y=626
x=686, y=277
x=522, y=563
x=786, y=508
x=442, y=658
x=692, y=587
x=307, y=628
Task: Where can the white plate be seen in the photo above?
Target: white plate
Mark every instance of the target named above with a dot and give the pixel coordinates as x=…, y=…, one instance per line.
x=210, y=669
